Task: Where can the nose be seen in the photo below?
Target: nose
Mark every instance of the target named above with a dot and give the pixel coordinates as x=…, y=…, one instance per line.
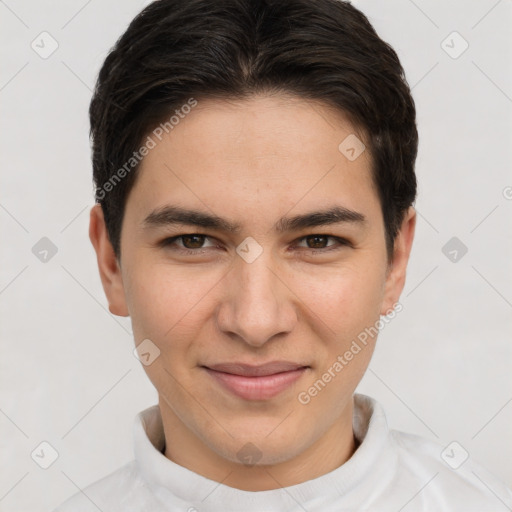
x=257, y=305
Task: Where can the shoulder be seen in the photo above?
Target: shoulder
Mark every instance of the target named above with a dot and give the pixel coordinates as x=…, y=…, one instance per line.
x=447, y=475
x=121, y=490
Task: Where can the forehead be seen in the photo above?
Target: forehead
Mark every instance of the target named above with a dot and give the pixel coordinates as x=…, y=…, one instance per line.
x=259, y=155
x=260, y=128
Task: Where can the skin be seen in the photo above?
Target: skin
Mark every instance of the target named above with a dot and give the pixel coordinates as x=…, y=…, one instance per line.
x=252, y=162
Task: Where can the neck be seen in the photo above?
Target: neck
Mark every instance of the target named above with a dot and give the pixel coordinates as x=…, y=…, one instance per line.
x=326, y=454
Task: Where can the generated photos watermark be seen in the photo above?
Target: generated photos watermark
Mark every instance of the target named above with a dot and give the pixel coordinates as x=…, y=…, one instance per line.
x=304, y=397
x=148, y=145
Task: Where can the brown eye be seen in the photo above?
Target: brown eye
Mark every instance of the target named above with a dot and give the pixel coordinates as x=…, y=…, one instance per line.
x=193, y=241
x=317, y=241
x=323, y=243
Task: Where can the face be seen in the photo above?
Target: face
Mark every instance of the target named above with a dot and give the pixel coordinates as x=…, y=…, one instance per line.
x=253, y=256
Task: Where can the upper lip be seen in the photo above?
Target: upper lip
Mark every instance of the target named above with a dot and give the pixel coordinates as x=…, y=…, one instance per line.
x=247, y=370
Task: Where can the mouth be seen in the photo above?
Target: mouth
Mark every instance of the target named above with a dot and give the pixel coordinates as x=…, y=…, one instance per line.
x=260, y=382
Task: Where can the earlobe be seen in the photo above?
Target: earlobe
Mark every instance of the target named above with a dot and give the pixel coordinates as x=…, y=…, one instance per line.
x=108, y=266
x=395, y=279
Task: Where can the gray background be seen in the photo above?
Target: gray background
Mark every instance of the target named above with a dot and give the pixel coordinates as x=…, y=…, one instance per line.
x=443, y=366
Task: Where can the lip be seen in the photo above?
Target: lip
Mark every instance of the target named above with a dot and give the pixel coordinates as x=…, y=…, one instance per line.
x=260, y=382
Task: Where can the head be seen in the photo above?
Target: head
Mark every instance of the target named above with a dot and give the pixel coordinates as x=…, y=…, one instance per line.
x=254, y=173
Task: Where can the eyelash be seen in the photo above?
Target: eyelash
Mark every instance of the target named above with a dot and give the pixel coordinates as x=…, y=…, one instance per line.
x=168, y=242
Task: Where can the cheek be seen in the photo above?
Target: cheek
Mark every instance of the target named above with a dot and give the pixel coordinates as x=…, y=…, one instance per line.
x=168, y=309
x=166, y=303
x=343, y=300
x=345, y=308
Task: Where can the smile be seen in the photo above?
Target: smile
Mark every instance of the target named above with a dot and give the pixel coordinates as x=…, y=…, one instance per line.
x=256, y=382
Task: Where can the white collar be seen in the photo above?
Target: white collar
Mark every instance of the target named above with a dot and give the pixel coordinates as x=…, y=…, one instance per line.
x=171, y=482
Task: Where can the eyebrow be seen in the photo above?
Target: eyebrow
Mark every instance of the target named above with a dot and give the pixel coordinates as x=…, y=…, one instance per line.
x=170, y=215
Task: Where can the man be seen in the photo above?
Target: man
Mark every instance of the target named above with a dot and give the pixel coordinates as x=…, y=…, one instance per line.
x=254, y=171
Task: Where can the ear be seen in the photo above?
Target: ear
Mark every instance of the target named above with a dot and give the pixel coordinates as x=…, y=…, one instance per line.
x=395, y=279
x=110, y=270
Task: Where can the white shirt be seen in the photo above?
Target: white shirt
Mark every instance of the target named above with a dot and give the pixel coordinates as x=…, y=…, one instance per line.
x=390, y=471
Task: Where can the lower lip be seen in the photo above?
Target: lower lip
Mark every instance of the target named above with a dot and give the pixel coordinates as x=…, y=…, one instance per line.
x=257, y=388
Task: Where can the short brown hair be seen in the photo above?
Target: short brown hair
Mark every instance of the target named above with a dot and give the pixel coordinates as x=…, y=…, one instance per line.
x=324, y=50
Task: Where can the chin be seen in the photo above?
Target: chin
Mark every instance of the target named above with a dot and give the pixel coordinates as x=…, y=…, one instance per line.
x=258, y=450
